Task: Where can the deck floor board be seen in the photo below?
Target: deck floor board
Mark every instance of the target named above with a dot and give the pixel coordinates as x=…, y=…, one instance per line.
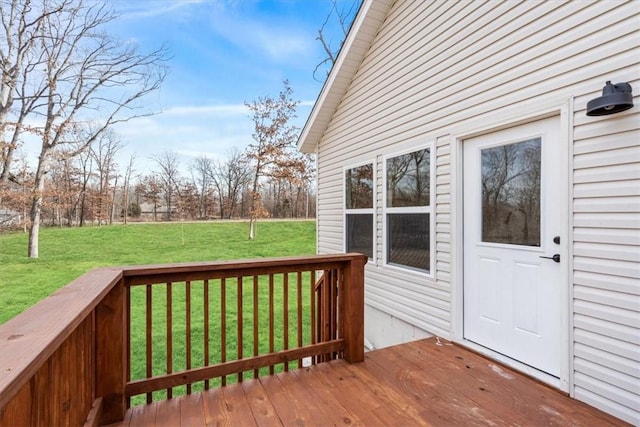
x=290, y=409
x=426, y=382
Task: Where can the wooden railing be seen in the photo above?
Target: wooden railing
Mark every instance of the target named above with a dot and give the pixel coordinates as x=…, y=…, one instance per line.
x=156, y=331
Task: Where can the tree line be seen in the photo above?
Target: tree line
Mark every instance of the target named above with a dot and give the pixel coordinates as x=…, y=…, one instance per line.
x=269, y=178
x=93, y=188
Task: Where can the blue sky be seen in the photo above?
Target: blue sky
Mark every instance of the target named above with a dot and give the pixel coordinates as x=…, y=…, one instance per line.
x=224, y=52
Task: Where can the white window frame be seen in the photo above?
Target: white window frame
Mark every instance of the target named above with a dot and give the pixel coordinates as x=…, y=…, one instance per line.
x=420, y=209
x=371, y=211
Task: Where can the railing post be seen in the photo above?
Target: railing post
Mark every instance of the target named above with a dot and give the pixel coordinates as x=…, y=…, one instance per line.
x=111, y=354
x=353, y=307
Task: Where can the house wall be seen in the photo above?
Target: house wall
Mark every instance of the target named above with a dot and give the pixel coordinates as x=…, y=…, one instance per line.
x=440, y=69
x=606, y=261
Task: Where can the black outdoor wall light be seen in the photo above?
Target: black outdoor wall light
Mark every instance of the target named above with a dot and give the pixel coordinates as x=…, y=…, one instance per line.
x=615, y=98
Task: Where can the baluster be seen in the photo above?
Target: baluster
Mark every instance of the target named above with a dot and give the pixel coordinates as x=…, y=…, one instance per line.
x=188, y=328
x=271, y=321
x=313, y=322
x=285, y=313
x=169, y=337
x=299, y=298
x=255, y=322
x=239, y=317
x=149, y=334
x=223, y=325
x=127, y=325
x=334, y=307
x=340, y=302
x=319, y=312
x=205, y=291
x=337, y=302
x=322, y=311
x=328, y=311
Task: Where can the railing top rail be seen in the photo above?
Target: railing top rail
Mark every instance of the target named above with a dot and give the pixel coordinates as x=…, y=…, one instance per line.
x=30, y=338
x=308, y=261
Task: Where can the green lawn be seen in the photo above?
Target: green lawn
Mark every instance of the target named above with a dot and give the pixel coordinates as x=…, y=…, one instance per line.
x=67, y=253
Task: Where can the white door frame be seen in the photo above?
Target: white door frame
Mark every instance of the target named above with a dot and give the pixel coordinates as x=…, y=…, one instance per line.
x=565, y=382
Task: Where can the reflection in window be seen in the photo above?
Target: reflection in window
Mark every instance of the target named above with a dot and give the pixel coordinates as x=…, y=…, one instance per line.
x=359, y=209
x=408, y=234
x=359, y=183
x=511, y=193
x=408, y=179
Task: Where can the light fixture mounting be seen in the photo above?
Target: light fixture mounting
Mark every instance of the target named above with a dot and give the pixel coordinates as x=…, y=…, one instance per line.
x=615, y=98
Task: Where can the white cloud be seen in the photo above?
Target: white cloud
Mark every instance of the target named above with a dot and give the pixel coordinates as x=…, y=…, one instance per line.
x=146, y=9
x=278, y=39
x=189, y=131
x=280, y=45
x=229, y=109
x=195, y=154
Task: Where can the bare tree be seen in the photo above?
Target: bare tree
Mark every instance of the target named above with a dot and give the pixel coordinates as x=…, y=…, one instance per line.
x=342, y=17
x=85, y=161
x=273, y=135
x=150, y=189
x=201, y=171
x=187, y=200
x=300, y=179
x=72, y=189
x=103, y=152
x=63, y=191
x=169, y=178
x=126, y=185
x=229, y=177
x=15, y=195
x=71, y=75
x=21, y=26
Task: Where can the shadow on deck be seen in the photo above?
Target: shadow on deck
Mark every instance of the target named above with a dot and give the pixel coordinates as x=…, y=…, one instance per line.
x=426, y=382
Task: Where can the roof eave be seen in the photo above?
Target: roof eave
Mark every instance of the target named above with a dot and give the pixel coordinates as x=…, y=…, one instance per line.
x=361, y=35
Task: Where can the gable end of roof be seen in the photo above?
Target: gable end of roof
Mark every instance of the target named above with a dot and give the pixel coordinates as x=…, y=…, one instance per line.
x=361, y=35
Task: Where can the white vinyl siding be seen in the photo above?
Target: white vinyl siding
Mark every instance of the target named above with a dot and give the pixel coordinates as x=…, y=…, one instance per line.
x=438, y=68
x=606, y=269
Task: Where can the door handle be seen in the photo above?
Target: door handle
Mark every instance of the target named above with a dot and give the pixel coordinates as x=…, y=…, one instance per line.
x=555, y=257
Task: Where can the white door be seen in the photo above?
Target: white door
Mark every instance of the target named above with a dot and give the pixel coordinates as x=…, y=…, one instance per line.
x=514, y=214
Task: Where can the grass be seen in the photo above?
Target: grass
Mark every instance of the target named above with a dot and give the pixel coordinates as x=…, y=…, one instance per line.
x=67, y=253
x=179, y=330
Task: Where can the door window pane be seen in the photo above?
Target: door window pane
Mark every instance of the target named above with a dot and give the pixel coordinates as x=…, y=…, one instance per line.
x=359, y=234
x=511, y=193
x=408, y=240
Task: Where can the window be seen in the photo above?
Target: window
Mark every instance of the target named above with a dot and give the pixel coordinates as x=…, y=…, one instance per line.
x=359, y=223
x=511, y=193
x=408, y=210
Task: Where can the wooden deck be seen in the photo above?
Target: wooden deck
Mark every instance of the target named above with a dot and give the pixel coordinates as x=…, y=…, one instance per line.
x=427, y=382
